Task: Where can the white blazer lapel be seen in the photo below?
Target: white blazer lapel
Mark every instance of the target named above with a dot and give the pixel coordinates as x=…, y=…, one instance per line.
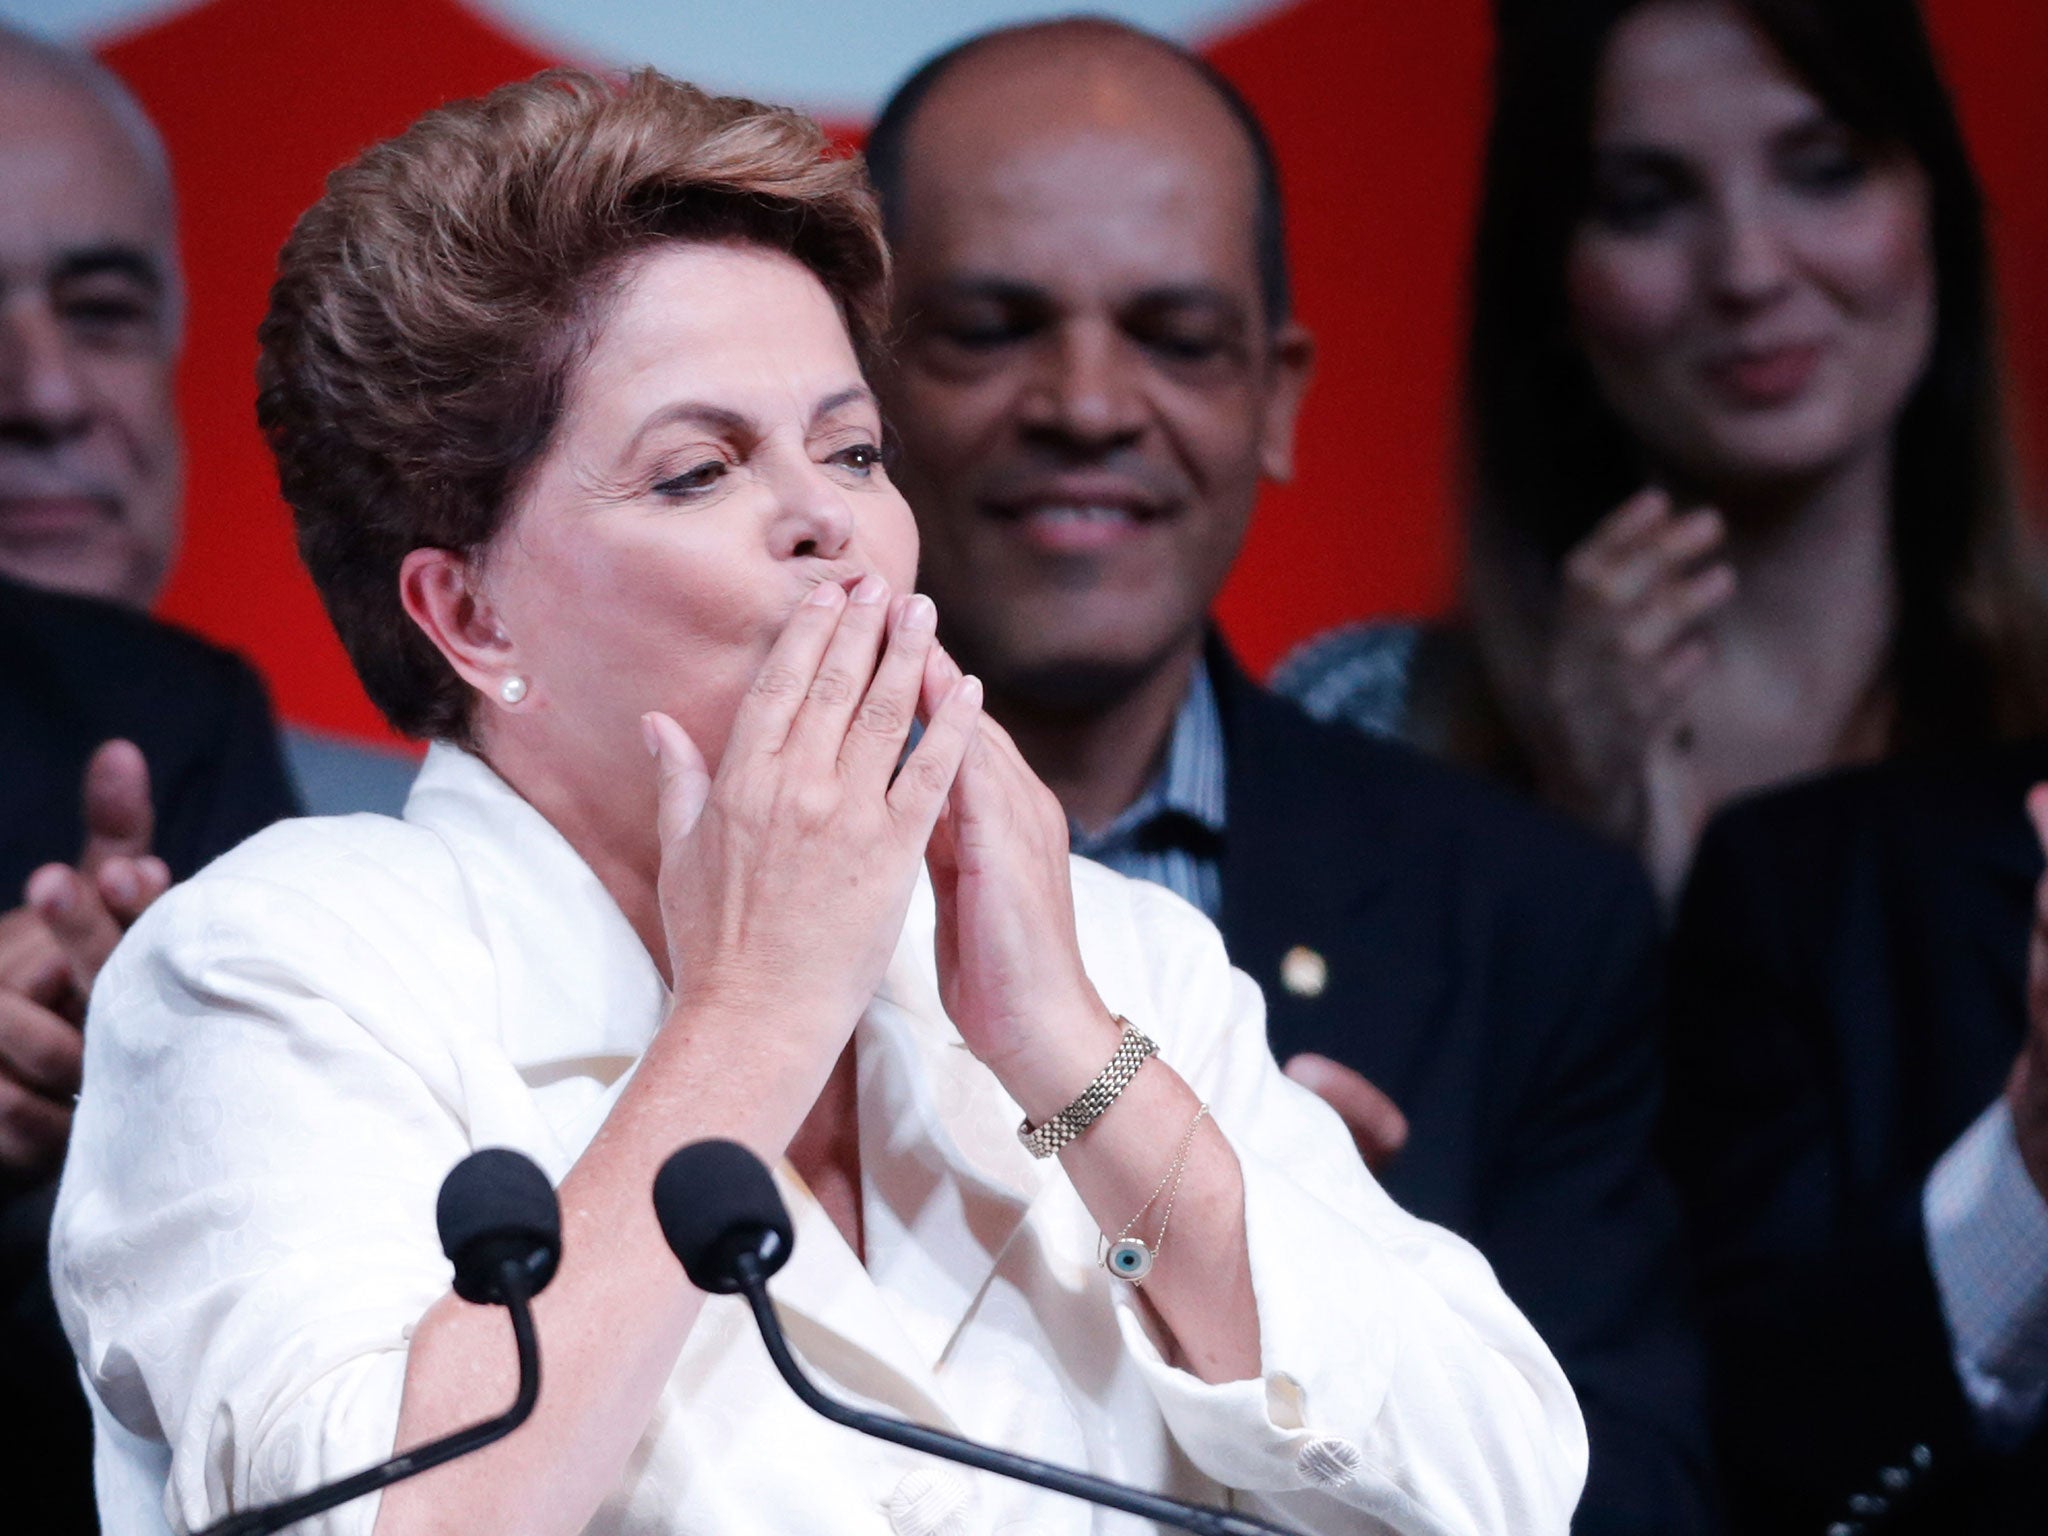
x=946, y=1184
x=839, y=1322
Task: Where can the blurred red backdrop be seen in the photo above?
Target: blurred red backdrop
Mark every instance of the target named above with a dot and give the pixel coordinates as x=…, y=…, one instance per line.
x=1377, y=110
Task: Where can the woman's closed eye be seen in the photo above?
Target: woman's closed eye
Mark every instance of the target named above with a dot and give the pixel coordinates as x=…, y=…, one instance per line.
x=1823, y=163
x=1633, y=194
x=693, y=481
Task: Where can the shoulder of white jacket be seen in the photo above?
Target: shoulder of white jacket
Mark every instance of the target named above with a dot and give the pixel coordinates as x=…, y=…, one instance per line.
x=1103, y=891
x=1131, y=929
x=345, y=864
x=298, y=851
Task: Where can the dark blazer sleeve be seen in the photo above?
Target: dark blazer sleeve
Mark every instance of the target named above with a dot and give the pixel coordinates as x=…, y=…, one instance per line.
x=75, y=673
x=1830, y=1035
x=1584, y=1231
x=233, y=784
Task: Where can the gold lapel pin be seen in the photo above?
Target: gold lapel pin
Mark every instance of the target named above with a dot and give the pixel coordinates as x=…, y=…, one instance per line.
x=1304, y=972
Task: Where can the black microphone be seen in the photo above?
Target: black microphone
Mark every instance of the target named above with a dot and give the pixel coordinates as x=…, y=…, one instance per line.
x=502, y=1229
x=721, y=1213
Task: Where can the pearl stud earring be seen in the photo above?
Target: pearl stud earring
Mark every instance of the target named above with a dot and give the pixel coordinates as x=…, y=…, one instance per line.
x=512, y=690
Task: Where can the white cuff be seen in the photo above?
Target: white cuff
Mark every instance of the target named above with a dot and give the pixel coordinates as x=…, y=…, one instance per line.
x=1987, y=1243
x=1443, y=1410
x=1264, y=1434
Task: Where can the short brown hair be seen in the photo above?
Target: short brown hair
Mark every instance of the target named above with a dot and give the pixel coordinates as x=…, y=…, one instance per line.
x=430, y=309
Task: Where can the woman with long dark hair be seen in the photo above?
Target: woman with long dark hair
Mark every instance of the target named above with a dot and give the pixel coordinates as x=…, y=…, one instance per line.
x=1740, y=506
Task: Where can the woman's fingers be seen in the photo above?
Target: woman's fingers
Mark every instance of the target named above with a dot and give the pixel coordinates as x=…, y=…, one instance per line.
x=1692, y=537
x=921, y=790
x=1674, y=610
x=1615, y=542
x=1669, y=688
x=941, y=672
x=762, y=723
x=684, y=783
x=1616, y=574
x=844, y=671
x=1675, y=550
x=1005, y=749
x=875, y=737
x=1634, y=520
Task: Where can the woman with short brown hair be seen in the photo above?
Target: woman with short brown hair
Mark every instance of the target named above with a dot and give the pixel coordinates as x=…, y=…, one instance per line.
x=429, y=263
x=566, y=391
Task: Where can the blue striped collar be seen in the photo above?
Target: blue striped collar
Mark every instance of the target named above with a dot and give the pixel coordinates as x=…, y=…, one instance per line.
x=1189, y=783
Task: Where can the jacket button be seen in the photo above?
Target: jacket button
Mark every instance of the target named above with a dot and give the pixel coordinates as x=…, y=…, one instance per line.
x=1328, y=1462
x=928, y=1502
x=1304, y=972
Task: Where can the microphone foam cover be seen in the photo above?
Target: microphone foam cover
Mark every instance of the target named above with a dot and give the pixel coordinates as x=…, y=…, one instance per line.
x=714, y=1200
x=497, y=1204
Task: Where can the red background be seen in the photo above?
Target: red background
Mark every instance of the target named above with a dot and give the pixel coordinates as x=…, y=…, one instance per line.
x=1377, y=110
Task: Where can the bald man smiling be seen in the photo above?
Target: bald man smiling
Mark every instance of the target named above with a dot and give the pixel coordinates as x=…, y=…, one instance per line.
x=1099, y=367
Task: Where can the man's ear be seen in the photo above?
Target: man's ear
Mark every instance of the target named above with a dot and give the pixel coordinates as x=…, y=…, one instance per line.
x=1290, y=365
x=442, y=595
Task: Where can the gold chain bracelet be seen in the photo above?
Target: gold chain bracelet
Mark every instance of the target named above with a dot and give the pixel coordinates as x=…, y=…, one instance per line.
x=1128, y=1257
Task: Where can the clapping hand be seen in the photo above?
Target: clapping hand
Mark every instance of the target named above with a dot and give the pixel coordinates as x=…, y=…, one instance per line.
x=52, y=948
x=786, y=873
x=1009, y=958
x=1626, y=653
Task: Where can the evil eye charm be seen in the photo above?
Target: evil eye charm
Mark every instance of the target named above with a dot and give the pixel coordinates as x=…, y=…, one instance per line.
x=1129, y=1259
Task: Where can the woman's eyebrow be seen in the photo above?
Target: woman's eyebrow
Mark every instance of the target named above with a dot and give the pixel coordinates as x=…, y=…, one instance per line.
x=856, y=394
x=727, y=422
x=1809, y=127
x=720, y=419
x=1637, y=157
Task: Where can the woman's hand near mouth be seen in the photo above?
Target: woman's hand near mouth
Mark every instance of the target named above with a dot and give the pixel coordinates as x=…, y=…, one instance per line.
x=785, y=876
x=1631, y=642
x=1009, y=959
x=1012, y=980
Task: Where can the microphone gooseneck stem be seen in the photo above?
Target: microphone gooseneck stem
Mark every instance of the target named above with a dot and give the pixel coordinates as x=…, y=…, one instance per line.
x=1203, y=1520
x=512, y=1280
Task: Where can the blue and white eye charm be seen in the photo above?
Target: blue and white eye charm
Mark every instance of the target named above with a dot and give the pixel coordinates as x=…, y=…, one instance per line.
x=1129, y=1259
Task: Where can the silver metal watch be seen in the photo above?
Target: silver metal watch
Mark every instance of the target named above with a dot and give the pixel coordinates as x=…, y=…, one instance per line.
x=1070, y=1122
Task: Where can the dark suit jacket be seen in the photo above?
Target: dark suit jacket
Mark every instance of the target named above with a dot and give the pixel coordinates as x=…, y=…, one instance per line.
x=1494, y=971
x=72, y=674
x=1847, y=983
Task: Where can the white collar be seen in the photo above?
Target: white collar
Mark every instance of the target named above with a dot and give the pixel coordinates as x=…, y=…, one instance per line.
x=574, y=981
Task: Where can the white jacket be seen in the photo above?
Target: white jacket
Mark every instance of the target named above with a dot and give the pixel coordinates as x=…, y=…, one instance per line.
x=289, y=1052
